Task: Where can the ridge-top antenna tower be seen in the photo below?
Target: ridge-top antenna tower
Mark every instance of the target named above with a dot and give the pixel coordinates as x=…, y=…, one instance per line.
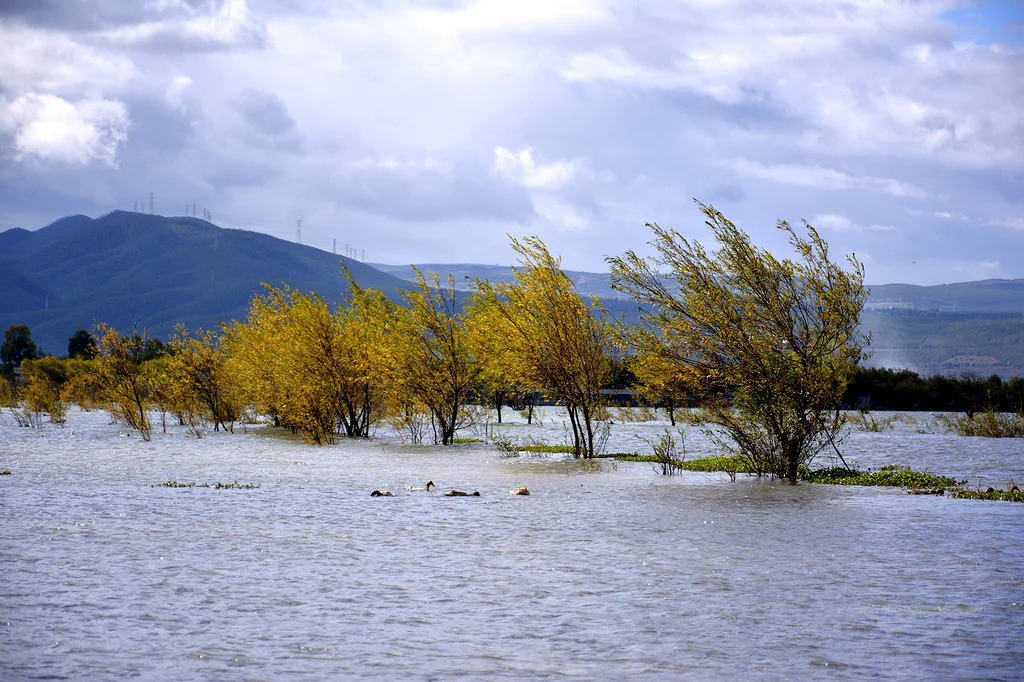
x=151, y=203
x=298, y=230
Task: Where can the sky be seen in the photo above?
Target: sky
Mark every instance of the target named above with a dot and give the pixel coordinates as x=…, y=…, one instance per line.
x=429, y=131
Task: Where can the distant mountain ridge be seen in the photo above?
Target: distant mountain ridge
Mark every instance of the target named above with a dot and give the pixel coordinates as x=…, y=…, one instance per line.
x=151, y=272
x=988, y=296
x=975, y=327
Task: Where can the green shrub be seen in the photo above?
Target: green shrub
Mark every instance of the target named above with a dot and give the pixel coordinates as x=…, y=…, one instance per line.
x=987, y=424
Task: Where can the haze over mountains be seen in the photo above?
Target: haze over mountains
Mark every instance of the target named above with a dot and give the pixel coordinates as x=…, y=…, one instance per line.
x=151, y=272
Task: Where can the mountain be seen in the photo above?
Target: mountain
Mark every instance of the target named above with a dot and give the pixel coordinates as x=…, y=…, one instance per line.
x=152, y=272
x=985, y=296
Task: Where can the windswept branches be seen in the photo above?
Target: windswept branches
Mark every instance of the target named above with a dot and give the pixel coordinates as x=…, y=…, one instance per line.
x=778, y=337
x=123, y=379
x=557, y=342
x=438, y=368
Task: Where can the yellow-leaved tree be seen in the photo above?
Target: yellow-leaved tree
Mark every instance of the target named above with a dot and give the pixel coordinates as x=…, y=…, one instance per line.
x=436, y=366
x=197, y=379
x=778, y=337
x=555, y=341
x=662, y=382
x=258, y=352
x=123, y=378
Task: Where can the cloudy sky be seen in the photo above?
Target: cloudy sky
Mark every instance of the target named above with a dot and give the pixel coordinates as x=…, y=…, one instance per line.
x=428, y=131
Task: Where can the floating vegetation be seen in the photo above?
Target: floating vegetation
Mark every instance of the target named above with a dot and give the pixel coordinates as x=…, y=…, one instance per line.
x=891, y=475
x=545, y=447
x=510, y=446
x=217, y=486
x=1012, y=495
x=720, y=463
x=463, y=441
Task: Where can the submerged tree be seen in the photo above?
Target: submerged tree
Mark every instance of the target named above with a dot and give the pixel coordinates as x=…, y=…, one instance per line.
x=556, y=340
x=778, y=337
x=122, y=376
x=438, y=369
x=660, y=382
x=197, y=381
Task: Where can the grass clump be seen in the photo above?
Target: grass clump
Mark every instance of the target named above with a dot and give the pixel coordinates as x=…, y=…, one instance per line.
x=216, y=486
x=545, y=447
x=463, y=441
x=892, y=475
x=724, y=463
x=987, y=424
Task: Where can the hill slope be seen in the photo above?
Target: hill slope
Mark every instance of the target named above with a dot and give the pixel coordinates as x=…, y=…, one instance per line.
x=133, y=269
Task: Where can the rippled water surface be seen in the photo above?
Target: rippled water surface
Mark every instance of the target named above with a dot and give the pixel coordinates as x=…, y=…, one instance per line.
x=610, y=573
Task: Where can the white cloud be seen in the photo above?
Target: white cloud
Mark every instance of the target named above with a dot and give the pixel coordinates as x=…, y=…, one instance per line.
x=831, y=221
x=503, y=16
x=824, y=178
x=176, y=90
x=520, y=168
x=427, y=163
x=392, y=112
x=560, y=213
x=942, y=215
x=52, y=129
x=1013, y=222
x=42, y=61
x=231, y=27
x=835, y=70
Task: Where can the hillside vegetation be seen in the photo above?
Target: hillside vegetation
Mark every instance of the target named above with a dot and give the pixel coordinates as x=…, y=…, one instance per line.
x=133, y=269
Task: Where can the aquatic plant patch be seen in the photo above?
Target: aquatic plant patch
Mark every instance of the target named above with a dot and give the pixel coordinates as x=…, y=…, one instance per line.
x=895, y=476
x=544, y=447
x=999, y=495
x=217, y=485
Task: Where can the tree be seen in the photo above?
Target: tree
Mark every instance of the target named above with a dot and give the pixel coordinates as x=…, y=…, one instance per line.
x=556, y=340
x=661, y=383
x=777, y=337
x=44, y=391
x=81, y=345
x=197, y=382
x=438, y=369
x=123, y=378
x=18, y=345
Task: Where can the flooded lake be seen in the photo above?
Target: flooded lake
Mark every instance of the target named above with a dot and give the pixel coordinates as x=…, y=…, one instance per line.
x=606, y=572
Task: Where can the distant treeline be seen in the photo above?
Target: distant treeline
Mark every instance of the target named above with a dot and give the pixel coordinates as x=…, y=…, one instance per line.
x=887, y=389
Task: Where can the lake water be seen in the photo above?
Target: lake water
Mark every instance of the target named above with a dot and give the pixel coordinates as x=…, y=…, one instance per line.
x=609, y=574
